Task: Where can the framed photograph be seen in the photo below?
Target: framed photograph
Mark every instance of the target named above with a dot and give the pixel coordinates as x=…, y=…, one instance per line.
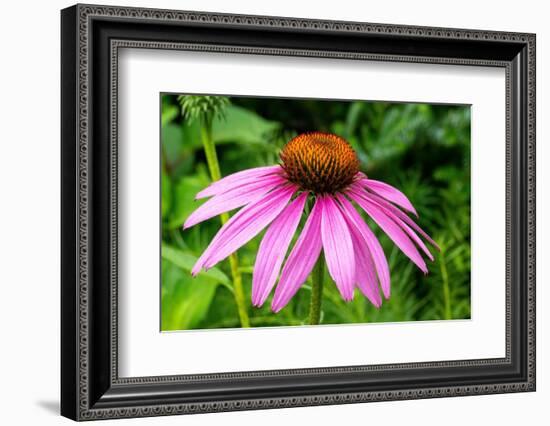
x=263, y=212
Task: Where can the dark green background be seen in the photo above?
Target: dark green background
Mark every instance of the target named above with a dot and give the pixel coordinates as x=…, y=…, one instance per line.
x=424, y=150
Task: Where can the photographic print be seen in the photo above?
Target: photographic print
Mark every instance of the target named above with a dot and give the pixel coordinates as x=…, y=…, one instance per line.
x=294, y=212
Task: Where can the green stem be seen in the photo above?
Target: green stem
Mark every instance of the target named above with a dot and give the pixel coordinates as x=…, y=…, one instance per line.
x=317, y=291
x=446, y=288
x=215, y=174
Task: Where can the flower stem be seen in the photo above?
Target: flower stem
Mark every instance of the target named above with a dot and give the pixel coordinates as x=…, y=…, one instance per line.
x=215, y=174
x=317, y=291
x=446, y=289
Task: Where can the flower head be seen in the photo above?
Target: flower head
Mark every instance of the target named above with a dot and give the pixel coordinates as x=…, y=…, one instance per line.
x=322, y=168
x=203, y=108
x=320, y=162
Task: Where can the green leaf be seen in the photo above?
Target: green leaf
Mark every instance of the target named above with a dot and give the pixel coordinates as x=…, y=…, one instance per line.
x=191, y=137
x=352, y=118
x=241, y=126
x=169, y=112
x=166, y=194
x=171, y=139
x=180, y=139
x=183, y=201
x=186, y=261
x=185, y=300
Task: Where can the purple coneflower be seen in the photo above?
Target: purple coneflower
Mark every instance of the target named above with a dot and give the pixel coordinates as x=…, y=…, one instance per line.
x=324, y=168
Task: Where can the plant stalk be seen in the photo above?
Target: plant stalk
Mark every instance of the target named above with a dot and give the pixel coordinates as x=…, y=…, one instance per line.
x=446, y=286
x=317, y=291
x=215, y=174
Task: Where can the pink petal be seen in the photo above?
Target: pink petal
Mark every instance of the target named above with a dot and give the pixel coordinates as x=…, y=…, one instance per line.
x=379, y=258
x=365, y=273
x=412, y=235
x=402, y=216
x=273, y=249
x=300, y=261
x=338, y=247
x=244, y=226
x=236, y=179
x=389, y=193
x=399, y=222
x=390, y=228
x=232, y=199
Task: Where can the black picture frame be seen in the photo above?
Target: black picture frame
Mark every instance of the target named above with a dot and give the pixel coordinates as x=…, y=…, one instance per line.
x=90, y=38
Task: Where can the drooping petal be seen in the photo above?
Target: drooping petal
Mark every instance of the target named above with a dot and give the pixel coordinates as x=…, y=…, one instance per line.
x=411, y=234
x=399, y=218
x=389, y=193
x=232, y=199
x=393, y=230
x=236, y=179
x=244, y=226
x=301, y=260
x=338, y=247
x=388, y=212
x=273, y=249
x=365, y=273
x=375, y=249
x=402, y=216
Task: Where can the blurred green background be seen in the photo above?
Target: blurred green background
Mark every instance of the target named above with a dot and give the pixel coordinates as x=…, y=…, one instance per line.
x=424, y=150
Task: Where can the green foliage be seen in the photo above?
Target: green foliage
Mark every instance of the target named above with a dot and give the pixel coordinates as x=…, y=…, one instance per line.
x=424, y=150
x=185, y=300
x=242, y=126
x=186, y=261
x=183, y=199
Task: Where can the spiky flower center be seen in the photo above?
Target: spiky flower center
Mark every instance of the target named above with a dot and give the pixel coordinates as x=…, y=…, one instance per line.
x=320, y=162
